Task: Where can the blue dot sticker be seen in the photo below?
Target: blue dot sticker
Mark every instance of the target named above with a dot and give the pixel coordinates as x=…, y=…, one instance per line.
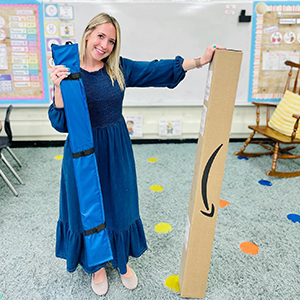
x=294, y=218
x=243, y=157
x=265, y=182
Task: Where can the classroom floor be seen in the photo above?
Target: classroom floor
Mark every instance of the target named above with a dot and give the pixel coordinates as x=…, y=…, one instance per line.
x=264, y=213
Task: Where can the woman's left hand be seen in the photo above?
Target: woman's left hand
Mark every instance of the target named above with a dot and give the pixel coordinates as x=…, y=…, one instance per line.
x=209, y=52
x=189, y=64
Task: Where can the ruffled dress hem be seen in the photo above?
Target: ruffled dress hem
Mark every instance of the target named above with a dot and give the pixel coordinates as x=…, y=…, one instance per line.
x=129, y=242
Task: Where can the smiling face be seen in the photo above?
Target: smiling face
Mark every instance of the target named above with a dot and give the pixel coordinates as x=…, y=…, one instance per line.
x=100, y=43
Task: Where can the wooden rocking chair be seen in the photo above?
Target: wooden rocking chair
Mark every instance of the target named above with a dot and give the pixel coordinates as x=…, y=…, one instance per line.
x=274, y=137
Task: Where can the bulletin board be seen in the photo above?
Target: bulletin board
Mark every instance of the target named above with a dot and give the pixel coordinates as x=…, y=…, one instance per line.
x=275, y=39
x=22, y=64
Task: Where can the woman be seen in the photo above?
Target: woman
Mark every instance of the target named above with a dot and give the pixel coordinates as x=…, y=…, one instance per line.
x=105, y=76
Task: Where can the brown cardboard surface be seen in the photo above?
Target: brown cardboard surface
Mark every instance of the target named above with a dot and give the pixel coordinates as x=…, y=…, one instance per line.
x=218, y=106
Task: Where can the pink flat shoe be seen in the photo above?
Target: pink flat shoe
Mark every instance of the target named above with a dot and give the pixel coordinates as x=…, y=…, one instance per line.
x=130, y=282
x=100, y=288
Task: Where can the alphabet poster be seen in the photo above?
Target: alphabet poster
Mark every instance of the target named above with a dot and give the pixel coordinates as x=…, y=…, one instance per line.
x=22, y=67
x=59, y=28
x=275, y=39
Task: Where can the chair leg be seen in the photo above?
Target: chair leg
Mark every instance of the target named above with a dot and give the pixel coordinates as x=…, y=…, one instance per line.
x=248, y=141
x=275, y=157
x=242, y=153
x=14, y=156
x=273, y=167
x=9, y=184
x=273, y=171
x=11, y=168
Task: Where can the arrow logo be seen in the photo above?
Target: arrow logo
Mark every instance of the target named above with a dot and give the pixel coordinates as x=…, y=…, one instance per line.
x=205, y=175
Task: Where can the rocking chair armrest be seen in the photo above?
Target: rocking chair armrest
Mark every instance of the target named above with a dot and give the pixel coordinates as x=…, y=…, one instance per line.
x=296, y=116
x=295, y=126
x=265, y=104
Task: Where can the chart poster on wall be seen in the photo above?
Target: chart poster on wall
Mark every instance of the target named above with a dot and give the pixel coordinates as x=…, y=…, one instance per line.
x=22, y=67
x=59, y=28
x=275, y=39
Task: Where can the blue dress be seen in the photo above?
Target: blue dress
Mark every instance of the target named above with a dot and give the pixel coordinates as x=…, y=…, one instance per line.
x=115, y=162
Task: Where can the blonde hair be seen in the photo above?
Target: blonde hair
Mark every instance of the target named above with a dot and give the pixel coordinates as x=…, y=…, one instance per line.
x=112, y=61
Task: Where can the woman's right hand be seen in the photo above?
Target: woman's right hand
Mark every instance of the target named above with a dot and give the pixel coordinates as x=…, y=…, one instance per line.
x=58, y=73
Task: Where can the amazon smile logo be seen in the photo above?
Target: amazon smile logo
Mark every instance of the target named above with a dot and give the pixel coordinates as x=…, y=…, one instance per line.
x=209, y=212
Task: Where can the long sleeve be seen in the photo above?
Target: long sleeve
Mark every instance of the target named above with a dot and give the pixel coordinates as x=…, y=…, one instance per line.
x=57, y=118
x=156, y=73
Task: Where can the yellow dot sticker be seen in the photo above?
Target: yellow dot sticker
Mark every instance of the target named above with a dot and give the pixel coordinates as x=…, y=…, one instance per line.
x=172, y=282
x=163, y=227
x=153, y=160
x=156, y=188
x=58, y=157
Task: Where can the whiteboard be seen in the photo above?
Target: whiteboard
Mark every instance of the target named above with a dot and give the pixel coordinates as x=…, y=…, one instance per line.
x=163, y=30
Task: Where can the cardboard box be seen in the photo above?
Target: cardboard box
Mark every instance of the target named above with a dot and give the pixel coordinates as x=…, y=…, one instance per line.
x=218, y=105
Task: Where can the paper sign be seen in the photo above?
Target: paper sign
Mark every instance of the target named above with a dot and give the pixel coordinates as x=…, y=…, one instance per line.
x=66, y=29
x=208, y=84
x=134, y=125
x=66, y=12
x=51, y=10
x=3, y=57
x=170, y=127
x=203, y=119
x=274, y=60
x=187, y=232
x=5, y=83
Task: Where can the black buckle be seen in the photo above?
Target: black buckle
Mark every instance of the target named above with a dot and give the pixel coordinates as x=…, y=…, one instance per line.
x=83, y=153
x=95, y=229
x=73, y=76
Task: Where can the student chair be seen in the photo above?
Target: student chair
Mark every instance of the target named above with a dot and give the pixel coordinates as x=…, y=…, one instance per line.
x=8, y=139
x=281, y=128
x=5, y=143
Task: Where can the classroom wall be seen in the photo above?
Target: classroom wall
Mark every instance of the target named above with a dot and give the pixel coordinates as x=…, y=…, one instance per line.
x=32, y=124
x=189, y=39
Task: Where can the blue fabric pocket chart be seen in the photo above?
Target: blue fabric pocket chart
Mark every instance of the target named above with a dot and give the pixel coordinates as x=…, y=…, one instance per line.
x=86, y=172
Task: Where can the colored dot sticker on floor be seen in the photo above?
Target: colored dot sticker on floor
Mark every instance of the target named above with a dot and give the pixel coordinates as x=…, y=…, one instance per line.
x=223, y=203
x=265, y=182
x=58, y=157
x=156, y=188
x=294, y=218
x=153, y=160
x=243, y=157
x=163, y=228
x=172, y=282
x=249, y=248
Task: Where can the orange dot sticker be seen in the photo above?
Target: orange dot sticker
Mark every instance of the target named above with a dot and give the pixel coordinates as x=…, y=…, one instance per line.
x=249, y=248
x=58, y=157
x=223, y=203
x=153, y=160
x=163, y=227
x=172, y=282
x=156, y=188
